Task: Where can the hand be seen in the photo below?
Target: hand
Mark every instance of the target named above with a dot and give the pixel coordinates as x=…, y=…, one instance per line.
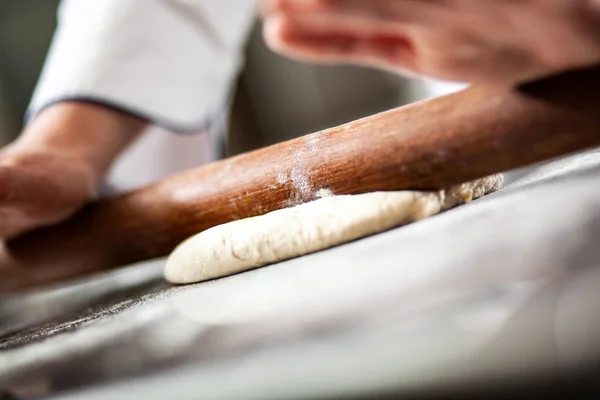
x=57, y=164
x=483, y=41
x=39, y=188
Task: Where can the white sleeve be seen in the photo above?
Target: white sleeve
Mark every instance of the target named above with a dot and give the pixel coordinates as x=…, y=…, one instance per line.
x=172, y=62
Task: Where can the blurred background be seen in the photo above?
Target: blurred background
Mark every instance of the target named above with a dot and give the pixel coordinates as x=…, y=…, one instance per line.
x=26, y=28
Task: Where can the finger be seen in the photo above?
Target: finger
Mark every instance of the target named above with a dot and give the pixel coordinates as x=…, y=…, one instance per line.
x=7, y=187
x=13, y=222
x=23, y=185
x=292, y=38
x=373, y=10
x=296, y=6
x=13, y=219
x=316, y=24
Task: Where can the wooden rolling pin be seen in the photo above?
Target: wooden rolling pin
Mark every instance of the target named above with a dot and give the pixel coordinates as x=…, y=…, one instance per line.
x=427, y=145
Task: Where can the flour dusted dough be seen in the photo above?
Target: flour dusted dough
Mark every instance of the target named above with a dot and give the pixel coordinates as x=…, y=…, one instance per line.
x=254, y=242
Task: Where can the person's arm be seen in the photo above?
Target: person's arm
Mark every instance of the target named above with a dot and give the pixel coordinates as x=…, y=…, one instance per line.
x=89, y=134
x=490, y=42
x=114, y=67
x=58, y=163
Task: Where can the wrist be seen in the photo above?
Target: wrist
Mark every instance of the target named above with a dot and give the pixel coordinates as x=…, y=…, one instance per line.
x=89, y=134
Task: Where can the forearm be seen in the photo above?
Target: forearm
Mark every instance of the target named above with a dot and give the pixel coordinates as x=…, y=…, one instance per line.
x=89, y=134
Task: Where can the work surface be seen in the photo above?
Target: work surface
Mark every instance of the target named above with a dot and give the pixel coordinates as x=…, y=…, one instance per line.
x=503, y=289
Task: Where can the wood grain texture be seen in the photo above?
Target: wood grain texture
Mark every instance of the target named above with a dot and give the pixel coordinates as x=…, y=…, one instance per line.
x=427, y=145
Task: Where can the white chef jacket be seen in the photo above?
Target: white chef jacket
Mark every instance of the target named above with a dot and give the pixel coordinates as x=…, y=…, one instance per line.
x=172, y=62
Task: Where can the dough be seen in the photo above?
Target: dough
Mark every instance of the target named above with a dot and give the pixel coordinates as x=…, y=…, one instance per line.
x=279, y=235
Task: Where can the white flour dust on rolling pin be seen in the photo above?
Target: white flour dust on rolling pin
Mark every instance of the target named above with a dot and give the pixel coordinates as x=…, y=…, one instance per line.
x=302, y=188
